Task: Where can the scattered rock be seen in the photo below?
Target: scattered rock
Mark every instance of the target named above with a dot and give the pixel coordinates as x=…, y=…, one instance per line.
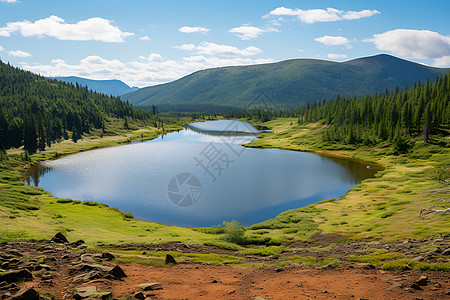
x=170, y=260
x=416, y=286
x=47, y=276
x=28, y=294
x=329, y=266
x=117, y=272
x=446, y=252
x=433, y=252
x=15, y=253
x=422, y=281
x=87, y=258
x=77, y=243
x=258, y=298
x=59, y=238
x=87, y=267
x=16, y=275
x=151, y=286
x=108, y=256
x=85, y=292
x=39, y=267
x=367, y=266
x=139, y=295
x=87, y=277
x=395, y=286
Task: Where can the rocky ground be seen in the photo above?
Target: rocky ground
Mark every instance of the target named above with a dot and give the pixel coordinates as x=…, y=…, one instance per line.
x=58, y=269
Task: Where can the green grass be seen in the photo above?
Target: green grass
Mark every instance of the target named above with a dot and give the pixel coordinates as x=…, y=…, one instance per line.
x=376, y=258
x=399, y=265
x=30, y=212
x=312, y=261
x=386, y=206
x=157, y=258
x=263, y=251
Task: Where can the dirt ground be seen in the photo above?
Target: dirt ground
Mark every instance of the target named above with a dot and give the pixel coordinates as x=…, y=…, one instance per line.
x=224, y=282
x=56, y=270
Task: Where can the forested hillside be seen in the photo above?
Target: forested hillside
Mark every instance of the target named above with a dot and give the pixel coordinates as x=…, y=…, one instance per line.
x=286, y=84
x=393, y=116
x=36, y=111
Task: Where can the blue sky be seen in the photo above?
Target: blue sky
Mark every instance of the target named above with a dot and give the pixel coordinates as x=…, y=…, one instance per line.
x=150, y=42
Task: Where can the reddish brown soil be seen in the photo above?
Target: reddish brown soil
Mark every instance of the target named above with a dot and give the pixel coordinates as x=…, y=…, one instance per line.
x=201, y=281
x=225, y=282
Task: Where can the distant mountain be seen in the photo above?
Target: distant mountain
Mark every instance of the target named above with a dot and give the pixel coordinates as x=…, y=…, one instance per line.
x=108, y=87
x=286, y=84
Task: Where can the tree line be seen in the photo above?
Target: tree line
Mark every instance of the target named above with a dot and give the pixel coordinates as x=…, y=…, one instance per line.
x=392, y=116
x=36, y=111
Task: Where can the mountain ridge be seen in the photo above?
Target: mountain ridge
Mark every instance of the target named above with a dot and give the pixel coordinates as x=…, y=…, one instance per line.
x=113, y=87
x=287, y=83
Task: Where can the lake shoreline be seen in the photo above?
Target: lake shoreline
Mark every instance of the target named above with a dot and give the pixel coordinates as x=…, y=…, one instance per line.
x=285, y=171
x=357, y=192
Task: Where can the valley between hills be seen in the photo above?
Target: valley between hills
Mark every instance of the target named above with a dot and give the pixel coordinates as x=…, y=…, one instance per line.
x=387, y=237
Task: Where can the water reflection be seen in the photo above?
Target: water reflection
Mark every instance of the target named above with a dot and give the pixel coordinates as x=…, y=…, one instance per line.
x=249, y=185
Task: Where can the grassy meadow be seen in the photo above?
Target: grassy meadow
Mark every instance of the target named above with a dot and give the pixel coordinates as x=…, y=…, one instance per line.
x=386, y=207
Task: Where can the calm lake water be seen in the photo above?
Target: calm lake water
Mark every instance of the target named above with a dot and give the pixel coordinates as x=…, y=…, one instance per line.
x=200, y=176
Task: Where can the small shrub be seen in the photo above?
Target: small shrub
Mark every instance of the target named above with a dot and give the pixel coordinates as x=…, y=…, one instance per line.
x=387, y=214
x=234, y=233
x=127, y=216
x=64, y=201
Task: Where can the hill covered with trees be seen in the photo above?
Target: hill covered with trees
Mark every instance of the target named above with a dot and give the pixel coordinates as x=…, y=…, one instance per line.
x=36, y=111
x=285, y=84
x=392, y=116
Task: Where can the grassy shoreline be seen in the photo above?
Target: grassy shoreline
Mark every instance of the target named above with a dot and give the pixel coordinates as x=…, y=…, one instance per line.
x=29, y=212
x=384, y=207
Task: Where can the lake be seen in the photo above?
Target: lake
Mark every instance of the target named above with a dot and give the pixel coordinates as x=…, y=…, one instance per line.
x=201, y=176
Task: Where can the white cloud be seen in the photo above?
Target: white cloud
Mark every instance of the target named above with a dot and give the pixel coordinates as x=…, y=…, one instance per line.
x=149, y=70
x=144, y=38
x=246, y=32
x=185, y=47
x=336, y=56
x=412, y=43
x=1, y=48
x=219, y=50
x=187, y=29
x=354, y=15
x=321, y=15
x=226, y=50
x=155, y=57
x=10, y=1
x=443, y=61
x=332, y=40
x=97, y=29
x=19, y=53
